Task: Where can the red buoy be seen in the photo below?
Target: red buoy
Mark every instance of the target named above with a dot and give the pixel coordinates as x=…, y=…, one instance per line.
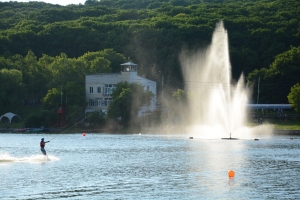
x=83, y=134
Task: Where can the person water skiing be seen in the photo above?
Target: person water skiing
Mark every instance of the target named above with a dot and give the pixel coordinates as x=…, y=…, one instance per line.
x=42, y=145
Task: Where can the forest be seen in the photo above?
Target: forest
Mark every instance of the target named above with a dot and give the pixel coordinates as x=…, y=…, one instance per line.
x=46, y=50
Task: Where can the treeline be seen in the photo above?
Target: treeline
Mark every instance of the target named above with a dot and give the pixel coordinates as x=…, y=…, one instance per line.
x=152, y=33
x=47, y=81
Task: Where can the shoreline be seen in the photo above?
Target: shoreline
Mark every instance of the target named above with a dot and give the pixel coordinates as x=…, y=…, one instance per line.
x=286, y=132
x=109, y=131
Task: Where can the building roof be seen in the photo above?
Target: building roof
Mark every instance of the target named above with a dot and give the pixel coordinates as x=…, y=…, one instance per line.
x=140, y=78
x=102, y=74
x=129, y=63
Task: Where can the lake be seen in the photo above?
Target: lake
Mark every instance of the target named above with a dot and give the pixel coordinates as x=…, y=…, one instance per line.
x=148, y=166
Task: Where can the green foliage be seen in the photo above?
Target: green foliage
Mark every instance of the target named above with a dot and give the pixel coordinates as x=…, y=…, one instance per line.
x=74, y=93
x=51, y=79
x=294, y=97
x=260, y=29
x=74, y=114
x=52, y=99
x=11, y=88
x=42, y=118
x=114, y=57
x=276, y=81
x=91, y=2
x=97, y=118
x=127, y=99
x=53, y=46
x=180, y=96
x=177, y=107
x=6, y=63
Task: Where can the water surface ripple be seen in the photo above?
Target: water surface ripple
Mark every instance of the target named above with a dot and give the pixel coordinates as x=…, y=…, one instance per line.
x=147, y=166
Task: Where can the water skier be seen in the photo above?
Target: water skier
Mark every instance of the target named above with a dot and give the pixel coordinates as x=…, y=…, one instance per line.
x=42, y=145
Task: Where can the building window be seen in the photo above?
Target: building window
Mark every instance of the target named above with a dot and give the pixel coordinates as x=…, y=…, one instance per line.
x=99, y=102
x=107, y=101
x=91, y=102
x=108, y=89
x=99, y=89
x=95, y=102
x=128, y=68
x=91, y=90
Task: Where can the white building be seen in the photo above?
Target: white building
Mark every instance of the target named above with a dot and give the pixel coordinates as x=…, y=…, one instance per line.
x=98, y=88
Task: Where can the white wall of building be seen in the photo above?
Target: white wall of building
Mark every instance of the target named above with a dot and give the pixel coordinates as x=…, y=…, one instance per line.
x=98, y=87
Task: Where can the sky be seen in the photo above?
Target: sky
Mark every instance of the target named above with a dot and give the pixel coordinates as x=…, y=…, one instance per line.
x=60, y=2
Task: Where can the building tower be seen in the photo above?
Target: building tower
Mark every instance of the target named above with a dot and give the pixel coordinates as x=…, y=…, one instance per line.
x=129, y=72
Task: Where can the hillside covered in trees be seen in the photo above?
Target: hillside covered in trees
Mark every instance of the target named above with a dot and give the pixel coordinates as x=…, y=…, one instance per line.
x=46, y=48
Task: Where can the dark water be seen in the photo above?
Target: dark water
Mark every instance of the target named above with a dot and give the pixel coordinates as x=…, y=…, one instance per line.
x=103, y=166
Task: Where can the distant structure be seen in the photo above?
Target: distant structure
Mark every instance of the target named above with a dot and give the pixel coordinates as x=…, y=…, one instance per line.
x=99, y=88
x=9, y=116
x=270, y=106
x=61, y=115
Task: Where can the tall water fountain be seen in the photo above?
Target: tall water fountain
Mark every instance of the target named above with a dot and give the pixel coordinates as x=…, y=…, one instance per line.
x=217, y=107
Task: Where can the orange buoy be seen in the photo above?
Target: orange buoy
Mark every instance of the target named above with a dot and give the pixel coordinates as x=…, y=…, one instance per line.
x=83, y=134
x=231, y=173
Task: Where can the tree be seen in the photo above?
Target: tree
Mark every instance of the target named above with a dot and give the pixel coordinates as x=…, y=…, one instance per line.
x=62, y=69
x=294, y=97
x=74, y=93
x=6, y=63
x=276, y=81
x=11, y=88
x=100, y=65
x=97, y=118
x=52, y=99
x=42, y=118
x=75, y=99
x=127, y=100
x=91, y=2
x=35, y=75
x=180, y=96
x=104, y=61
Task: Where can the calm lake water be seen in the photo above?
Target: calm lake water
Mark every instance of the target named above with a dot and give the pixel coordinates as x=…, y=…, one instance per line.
x=148, y=166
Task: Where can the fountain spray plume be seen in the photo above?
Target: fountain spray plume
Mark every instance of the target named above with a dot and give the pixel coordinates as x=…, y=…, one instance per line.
x=216, y=107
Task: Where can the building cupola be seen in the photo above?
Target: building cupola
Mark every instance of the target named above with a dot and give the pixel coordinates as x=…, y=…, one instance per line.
x=128, y=67
x=129, y=72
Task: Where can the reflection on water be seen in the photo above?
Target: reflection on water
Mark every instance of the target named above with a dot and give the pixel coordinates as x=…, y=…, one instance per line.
x=103, y=166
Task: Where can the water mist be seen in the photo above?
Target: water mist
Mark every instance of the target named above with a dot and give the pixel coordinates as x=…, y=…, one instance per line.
x=217, y=107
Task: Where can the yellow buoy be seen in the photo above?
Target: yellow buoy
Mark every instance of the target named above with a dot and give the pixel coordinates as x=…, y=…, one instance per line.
x=231, y=173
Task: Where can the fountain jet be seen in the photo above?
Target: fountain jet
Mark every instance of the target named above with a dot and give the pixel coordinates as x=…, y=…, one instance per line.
x=217, y=107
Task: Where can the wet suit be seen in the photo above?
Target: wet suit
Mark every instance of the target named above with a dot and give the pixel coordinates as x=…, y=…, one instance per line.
x=42, y=145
